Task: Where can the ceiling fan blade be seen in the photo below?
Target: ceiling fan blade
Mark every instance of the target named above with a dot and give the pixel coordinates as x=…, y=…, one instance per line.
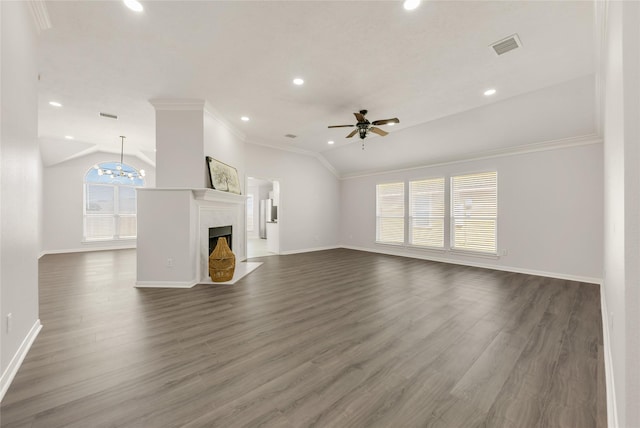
x=378, y=131
x=341, y=126
x=385, y=121
x=360, y=117
x=352, y=133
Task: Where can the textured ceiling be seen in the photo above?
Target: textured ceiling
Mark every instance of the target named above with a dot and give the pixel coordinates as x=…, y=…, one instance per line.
x=241, y=56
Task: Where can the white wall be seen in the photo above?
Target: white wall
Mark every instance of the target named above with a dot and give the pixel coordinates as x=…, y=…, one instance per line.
x=308, y=214
x=20, y=177
x=171, y=235
x=63, y=197
x=620, y=75
x=253, y=190
x=188, y=130
x=223, y=143
x=549, y=211
x=179, y=148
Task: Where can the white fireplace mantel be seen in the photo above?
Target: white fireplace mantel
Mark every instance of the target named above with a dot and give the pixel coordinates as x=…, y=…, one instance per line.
x=212, y=195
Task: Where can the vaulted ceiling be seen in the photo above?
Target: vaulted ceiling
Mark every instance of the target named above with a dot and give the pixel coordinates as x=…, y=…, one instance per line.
x=425, y=67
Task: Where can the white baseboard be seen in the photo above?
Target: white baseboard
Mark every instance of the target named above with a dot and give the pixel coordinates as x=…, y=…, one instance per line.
x=309, y=250
x=399, y=252
x=166, y=284
x=612, y=408
x=15, y=363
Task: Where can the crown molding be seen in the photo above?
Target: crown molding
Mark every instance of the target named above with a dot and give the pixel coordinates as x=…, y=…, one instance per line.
x=177, y=104
x=582, y=140
x=215, y=114
x=328, y=165
x=316, y=155
x=40, y=15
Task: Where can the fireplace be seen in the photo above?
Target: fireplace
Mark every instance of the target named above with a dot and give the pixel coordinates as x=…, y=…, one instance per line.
x=216, y=233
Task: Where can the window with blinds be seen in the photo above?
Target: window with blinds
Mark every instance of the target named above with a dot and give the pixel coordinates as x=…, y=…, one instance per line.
x=390, y=213
x=426, y=213
x=474, y=212
x=110, y=204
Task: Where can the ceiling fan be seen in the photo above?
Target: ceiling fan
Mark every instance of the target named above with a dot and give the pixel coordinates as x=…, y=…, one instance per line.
x=363, y=126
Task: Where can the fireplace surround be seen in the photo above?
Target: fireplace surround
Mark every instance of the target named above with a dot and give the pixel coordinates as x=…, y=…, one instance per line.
x=179, y=257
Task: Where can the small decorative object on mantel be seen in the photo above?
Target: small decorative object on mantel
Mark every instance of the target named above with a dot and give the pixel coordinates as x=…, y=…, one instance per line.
x=222, y=262
x=222, y=176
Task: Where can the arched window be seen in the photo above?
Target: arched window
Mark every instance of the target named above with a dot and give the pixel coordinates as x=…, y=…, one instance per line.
x=110, y=201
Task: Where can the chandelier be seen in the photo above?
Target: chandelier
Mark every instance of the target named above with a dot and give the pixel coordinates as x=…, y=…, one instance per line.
x=121, y=170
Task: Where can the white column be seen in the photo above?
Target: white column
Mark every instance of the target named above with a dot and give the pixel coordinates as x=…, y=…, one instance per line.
x=180, y=154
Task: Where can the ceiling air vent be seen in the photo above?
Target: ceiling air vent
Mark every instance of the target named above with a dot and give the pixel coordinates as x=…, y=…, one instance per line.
x=110, y=116
x=290, y=136
x=505, y=45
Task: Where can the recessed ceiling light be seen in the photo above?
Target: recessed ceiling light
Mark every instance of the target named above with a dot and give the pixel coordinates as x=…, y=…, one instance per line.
x=55, y=104
x=69, y=137
x=298, y=81
x=489, y=92
x=330, y=142
x=134, y=5
x=244, y=119
x=411, y=4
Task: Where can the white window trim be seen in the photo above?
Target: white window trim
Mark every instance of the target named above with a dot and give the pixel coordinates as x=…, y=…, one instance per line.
x=115, y=215
x=465, y=251
x=409, y=217
x=448, y=224
x=404, y=216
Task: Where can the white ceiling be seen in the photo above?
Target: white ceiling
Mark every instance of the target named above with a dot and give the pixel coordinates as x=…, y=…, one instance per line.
x=241, y=56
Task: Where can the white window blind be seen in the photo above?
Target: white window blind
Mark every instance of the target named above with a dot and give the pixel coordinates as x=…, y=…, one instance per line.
x=127, y=226
x=110, y=204
x=474, y=212
x=99, y=226
x=390, y=213
x=100, y=199
x=126, y=200
x=426, y=211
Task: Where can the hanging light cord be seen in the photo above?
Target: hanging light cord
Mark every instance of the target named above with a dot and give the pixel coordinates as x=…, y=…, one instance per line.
x=121, y=148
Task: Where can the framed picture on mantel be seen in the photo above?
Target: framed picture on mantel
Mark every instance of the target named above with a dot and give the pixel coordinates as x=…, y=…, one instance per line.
x=223, y=177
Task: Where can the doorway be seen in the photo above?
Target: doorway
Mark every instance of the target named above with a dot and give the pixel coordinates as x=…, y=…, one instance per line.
x=263, y=217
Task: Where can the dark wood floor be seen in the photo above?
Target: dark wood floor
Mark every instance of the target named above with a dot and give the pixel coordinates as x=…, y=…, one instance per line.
x=335, y=338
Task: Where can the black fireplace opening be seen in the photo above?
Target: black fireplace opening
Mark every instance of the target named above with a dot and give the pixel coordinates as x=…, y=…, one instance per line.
x=216, y=233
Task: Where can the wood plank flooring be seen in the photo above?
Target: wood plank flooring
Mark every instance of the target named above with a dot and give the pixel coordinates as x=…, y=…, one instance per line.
x=335, y=338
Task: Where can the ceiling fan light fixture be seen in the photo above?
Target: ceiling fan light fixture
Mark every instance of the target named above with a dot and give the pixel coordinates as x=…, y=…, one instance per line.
x=134, y=5
x=411, y=4
x=363, y=126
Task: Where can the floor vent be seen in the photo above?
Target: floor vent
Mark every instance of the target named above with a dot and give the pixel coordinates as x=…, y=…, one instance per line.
x=505, y=45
